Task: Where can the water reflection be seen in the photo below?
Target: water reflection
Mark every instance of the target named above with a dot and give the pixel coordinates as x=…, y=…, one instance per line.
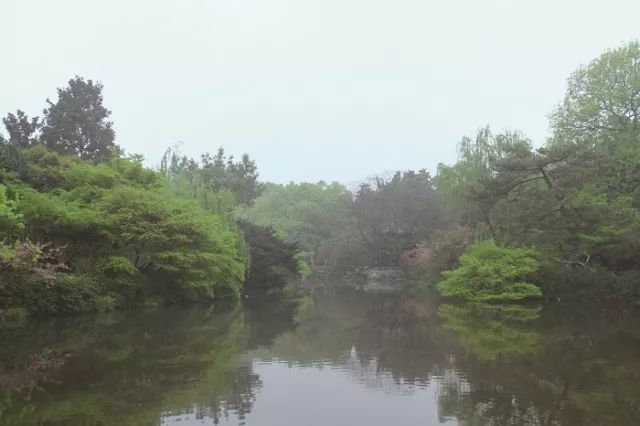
x=326, y=357
x=489, y=331
x=128, y=368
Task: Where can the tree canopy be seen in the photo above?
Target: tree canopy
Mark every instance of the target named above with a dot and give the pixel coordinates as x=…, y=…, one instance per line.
x=83, y=227
x=78, y=123
x=577, y=197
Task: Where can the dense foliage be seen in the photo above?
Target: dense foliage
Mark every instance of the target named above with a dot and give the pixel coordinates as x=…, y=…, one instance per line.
x=317, y=217
x=272, y=260
x=119, y=238
x=393, y=215
x=77, y=124
x=82, y=227
x=337, y=227
x=217, y=182
x=577, y=198
x=488, y=273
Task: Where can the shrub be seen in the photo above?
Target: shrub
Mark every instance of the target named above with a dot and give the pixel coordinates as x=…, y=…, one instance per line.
x=106, y=303
x=70, y=293
x=15, y=314
x=10, y=220
x=304, y=259
x=488, y=272
x=26, y=258
x=118, y=274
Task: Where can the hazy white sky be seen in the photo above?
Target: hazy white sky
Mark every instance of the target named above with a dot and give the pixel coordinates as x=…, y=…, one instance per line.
x=312, y=89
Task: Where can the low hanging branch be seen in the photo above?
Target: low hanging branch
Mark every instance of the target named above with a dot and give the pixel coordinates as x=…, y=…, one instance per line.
x=580, y=259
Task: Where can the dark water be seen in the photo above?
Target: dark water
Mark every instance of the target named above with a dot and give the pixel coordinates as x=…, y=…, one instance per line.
x=328, y=358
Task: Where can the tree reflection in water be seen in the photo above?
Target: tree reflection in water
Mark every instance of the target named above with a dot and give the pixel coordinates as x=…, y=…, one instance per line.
x=516, y=364
x=132, y=368
x=489, y=331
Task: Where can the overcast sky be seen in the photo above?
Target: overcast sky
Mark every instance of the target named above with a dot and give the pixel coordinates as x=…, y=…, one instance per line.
x=311, y=89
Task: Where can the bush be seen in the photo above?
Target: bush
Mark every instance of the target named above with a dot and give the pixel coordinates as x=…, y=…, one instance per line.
x=119, y=275
x=106, y=303
x=303, y=258
x=70, y=293
x=15, y=314
x=107, y=235
x=26, y=258
x=488, y=272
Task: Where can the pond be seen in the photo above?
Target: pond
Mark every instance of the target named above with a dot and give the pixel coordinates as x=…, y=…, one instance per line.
x=326, y=357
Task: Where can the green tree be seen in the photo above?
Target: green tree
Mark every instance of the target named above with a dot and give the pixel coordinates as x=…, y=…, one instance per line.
x=23, y=131
x=489, y=273
x=394, y=214
x=602, y=102
x=219, y=183
x=125, y=238
x=271, y=260
x=240, y=177
x=598, y=121
x=78, y=123
x=11, y=223
x=315, y=216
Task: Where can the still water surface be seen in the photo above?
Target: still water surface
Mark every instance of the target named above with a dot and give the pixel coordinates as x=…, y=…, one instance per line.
x=327, y=358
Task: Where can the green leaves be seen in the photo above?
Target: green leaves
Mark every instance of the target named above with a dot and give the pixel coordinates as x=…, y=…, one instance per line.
x=316, y=216
x=11, y=221
x=608, y=225
x=602, y=99
x=218, y=182
x=489, y=273
x=77, y=124
x=577, y=198
x=130, y=238
x=172, y=240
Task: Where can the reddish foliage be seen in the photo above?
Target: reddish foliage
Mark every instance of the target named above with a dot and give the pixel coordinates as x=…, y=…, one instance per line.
x=416, y=256
x=42, y=260
x=33, y=372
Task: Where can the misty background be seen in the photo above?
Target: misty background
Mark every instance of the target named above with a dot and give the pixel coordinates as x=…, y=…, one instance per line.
x=332, y=90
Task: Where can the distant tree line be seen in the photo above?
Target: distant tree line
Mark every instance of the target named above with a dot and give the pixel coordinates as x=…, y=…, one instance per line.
x=560, y=220
x=572, y=204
